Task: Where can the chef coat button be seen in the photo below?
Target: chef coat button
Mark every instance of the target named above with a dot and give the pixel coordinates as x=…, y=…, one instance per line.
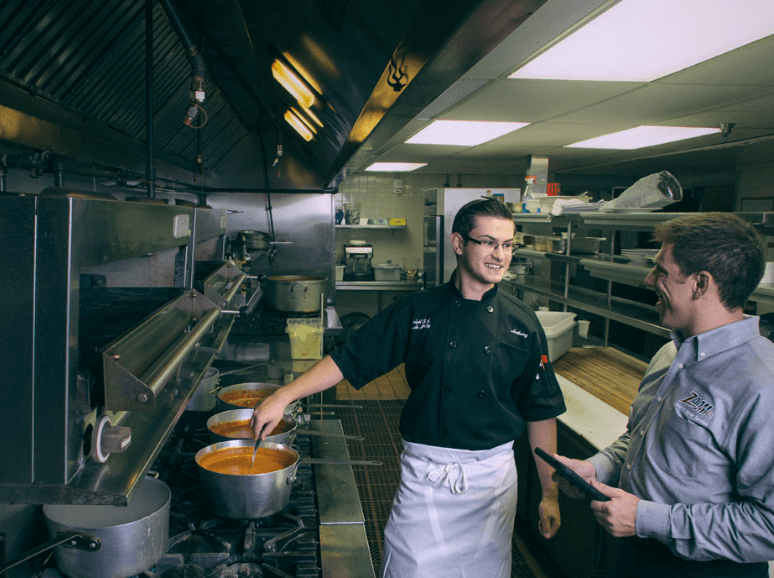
x=628, y=466
x=445, y=432
x=660, y=399
x=702, y=354
x=481, y=394
x=490, y=308
x=448, y=388
x=453, y=344
x=458, y=303
x=487, y=349
x=680, y=365
x=642, y=432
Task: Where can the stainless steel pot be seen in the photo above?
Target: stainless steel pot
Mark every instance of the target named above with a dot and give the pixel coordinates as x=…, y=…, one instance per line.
x=288, y=427
x=131, y=539
x=295, y=293
x=255, y=495
x=261, y=389
x=201, y=399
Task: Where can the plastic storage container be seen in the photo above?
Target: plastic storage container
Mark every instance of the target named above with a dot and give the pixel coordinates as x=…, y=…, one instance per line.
x=306, y=338
x=339, y=272
x=558, y=327
x=386, y=272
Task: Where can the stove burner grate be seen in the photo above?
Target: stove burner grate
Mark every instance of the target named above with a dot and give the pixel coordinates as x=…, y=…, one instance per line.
x=203, y=544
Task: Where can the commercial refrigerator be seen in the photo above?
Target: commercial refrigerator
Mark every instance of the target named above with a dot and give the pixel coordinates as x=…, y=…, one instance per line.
x=441, y=205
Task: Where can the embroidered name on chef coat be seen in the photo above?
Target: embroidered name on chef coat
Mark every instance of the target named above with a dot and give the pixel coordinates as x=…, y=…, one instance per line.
x=420, y=323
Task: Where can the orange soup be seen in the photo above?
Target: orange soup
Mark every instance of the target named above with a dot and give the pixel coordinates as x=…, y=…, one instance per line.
x=236, y=461
x=246, y=397
x=240, y=429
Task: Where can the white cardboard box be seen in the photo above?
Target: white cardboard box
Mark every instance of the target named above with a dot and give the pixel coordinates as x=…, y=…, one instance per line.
x=558, y=327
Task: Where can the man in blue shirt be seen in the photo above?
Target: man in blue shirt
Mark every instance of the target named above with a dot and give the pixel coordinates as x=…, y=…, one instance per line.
x=691, y=481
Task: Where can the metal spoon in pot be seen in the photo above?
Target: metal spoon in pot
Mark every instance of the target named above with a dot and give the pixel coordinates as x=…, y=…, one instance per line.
x=258, y=442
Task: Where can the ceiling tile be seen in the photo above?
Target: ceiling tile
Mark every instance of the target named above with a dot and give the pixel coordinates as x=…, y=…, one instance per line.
x=657, y=103
x=534, y=100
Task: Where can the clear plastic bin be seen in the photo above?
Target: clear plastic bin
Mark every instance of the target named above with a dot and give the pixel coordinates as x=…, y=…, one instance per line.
x=306, y=338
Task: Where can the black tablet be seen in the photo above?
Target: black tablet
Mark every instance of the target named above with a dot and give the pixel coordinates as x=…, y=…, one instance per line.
x=571, y=476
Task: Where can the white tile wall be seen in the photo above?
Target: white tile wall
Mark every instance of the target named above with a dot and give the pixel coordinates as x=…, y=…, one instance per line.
x=373, y=192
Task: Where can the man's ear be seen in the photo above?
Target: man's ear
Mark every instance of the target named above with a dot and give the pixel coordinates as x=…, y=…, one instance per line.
x=702, y=283
x=457, y=242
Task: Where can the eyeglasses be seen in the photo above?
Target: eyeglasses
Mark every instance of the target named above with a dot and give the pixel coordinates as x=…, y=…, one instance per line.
x=508, y=246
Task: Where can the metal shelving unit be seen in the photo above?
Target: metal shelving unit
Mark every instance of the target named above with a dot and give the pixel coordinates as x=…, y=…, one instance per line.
x=610, y=268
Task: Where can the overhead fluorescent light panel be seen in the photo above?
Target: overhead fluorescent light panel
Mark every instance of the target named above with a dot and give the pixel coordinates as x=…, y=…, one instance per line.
x=394, y=167
x=463, y=132
x=642, y=136
x=642, y=40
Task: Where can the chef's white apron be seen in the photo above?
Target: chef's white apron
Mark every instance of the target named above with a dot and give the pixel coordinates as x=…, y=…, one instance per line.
x=453, y=514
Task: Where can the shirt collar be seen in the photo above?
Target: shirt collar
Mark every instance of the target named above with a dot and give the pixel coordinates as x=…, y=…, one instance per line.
x=721, y=338
x=491, y=294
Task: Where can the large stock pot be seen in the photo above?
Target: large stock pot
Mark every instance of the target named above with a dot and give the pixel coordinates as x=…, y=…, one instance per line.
x=295, y=293
x=248, y=496
x=129, y=539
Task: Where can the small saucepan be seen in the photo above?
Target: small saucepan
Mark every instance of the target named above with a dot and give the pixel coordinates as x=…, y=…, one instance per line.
x=232, y=491
x=235, y=424
x=247, y=395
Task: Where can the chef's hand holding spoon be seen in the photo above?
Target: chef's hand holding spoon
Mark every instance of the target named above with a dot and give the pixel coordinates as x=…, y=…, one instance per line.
x=267, y=415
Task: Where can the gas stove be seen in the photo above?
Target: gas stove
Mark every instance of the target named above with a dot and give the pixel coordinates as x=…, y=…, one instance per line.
x=320, y=533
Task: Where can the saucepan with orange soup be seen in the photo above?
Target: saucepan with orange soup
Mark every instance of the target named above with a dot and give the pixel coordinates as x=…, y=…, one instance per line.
x=248, y=395
x=235, y=489
x=235, y=424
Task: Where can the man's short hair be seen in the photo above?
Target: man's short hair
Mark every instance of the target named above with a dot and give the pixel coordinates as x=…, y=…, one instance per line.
x=465, y=219
x=723, y=245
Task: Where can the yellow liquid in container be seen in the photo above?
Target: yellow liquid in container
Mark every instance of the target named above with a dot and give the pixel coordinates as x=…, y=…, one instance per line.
x=306, y=338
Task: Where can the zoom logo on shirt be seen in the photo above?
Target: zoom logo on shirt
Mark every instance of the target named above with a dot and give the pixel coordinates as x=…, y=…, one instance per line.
x=420, y=324
x=698, y=404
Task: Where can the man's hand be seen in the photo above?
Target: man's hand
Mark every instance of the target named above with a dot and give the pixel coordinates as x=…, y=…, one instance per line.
x=550, y=520
x=584, y=469
x=619, y=515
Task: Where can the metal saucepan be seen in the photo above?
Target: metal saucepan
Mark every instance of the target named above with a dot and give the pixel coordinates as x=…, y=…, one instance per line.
x=124, y=541
x=248, y=496
x=247, y=395
x=295, y=293
x=235, y=424
x=200, y=400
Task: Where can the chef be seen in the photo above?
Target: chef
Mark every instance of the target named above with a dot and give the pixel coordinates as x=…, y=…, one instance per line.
x=476, y=362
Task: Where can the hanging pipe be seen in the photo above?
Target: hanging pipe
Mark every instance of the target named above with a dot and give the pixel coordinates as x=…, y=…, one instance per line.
x=198, y=69
x=57, y=166
x=150, y=169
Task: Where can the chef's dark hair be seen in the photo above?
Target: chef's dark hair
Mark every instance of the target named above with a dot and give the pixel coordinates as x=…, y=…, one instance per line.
x=723, y=245
x=465, y=219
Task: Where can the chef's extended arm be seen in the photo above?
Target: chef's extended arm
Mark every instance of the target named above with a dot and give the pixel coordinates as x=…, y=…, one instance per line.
x=322, y=375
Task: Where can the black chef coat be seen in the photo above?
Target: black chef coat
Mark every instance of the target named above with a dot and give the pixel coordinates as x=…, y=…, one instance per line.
x=477, y=369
